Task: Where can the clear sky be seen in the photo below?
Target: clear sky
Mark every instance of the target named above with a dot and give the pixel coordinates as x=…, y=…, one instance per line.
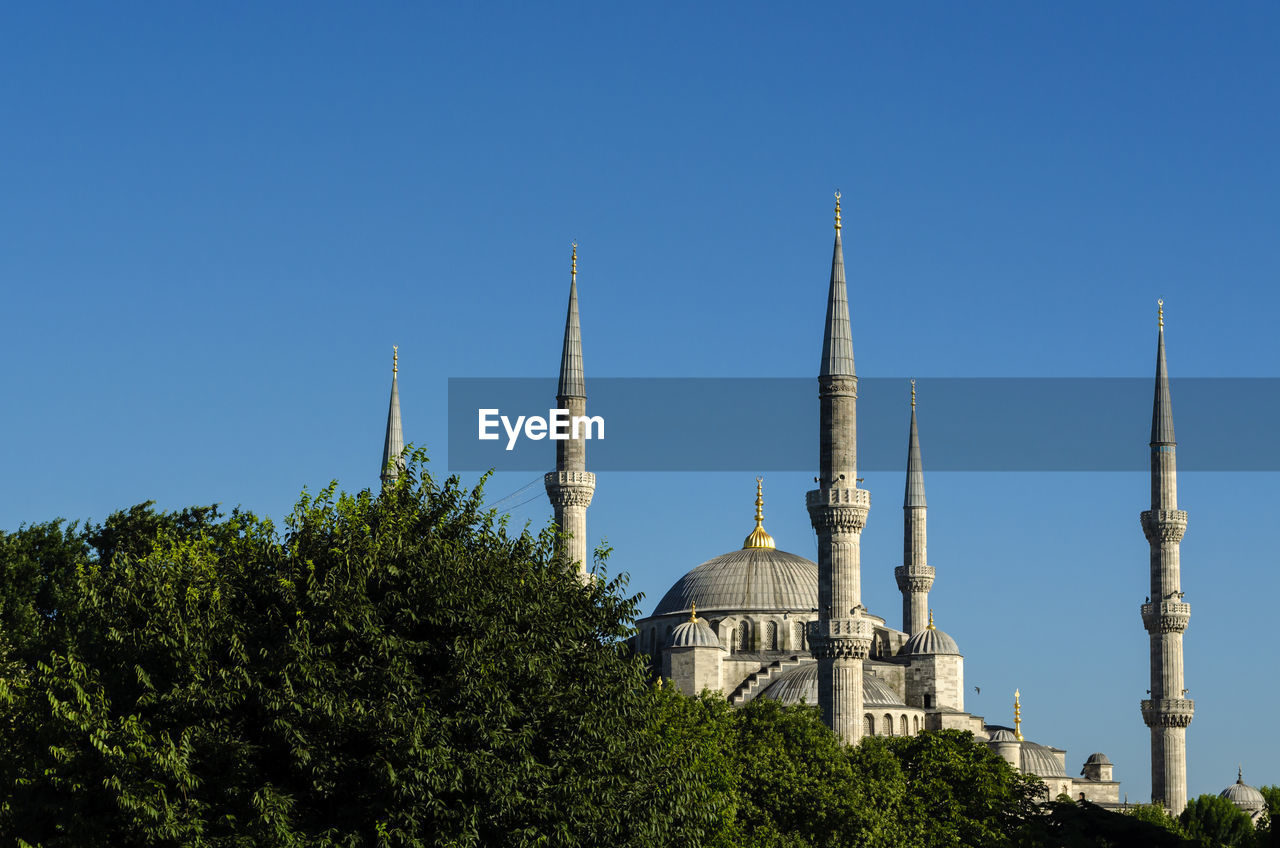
x=218, y=218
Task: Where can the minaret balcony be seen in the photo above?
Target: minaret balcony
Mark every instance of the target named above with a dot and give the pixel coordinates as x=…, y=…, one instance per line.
x=1164, y=525
x=914, y=578
x=838, y=509
x=1168, y=712
x=1166, y=617
x=570, y=488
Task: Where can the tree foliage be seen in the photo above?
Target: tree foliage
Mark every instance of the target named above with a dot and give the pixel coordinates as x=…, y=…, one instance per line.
x=1214, y=822
x=395, y=669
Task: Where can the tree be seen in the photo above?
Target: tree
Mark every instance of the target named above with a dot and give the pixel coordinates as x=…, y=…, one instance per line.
x=396, y=669
x=1213, y=821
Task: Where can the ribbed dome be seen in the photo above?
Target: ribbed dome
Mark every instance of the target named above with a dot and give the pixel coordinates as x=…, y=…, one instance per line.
x=1004, y=734
x=1040, y=761
x=1244, y=796
x=745, y=580
x=1097, y=760
x=930, y=641
x=695, y=633
x=801, y=683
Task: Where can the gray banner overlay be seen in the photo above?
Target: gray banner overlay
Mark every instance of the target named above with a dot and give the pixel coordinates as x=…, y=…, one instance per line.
x=966, y=424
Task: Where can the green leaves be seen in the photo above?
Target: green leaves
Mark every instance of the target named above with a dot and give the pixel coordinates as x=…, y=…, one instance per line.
x=395, y=669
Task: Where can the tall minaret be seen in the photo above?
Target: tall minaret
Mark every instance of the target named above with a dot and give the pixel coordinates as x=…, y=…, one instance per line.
x=571, y=485
x=838, y=510
x=393, y=447
x=1168, y=711
x=915, y=575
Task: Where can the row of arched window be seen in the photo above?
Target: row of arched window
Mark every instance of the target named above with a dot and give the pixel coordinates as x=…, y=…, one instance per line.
x=886, y=725
x=739, y=638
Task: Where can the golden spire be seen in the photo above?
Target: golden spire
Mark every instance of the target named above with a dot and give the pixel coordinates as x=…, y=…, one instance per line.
x=693, y=612
x=931, y=627
x=837, y=210
x=759, y=538
x=1017, y=715
x=1160, y=311
x=395, y=358
x=573, y=264
x=913, y=394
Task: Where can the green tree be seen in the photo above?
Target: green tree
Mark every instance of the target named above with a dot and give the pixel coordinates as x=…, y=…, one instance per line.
x=396, y=669
x=960, y=793
x=1214, y=822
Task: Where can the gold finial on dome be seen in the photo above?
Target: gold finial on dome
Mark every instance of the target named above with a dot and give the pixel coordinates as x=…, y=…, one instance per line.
x=759, y=538
x=1017, y=715
x=693, y=612
x=931, y=627
x=837, y=210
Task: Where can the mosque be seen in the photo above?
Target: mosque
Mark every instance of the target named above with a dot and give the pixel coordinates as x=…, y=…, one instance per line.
x=758, y=622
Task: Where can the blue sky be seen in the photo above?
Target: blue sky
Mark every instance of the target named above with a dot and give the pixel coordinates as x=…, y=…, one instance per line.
x=218, y=219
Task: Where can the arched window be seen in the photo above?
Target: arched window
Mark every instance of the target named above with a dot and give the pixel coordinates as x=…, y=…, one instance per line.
x=771, y=636
x=868, y=725
x=906, y=731
x=888, y=725
x=917, y=723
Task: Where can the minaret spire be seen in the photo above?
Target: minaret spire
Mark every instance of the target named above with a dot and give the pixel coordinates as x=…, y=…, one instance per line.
x=915, y=575
x=838, y=511
x=571, y=379
x=570, y=487
x=1168, y=712
x=393, y=446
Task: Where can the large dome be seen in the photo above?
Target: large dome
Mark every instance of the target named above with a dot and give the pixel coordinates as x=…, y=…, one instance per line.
x=757, y=578
x=801, y=684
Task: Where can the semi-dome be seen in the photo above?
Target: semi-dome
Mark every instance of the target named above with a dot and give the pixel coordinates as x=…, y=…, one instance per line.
x=1037, y=759
x=759, y=577
x=694, y=633
x=801, y=684
x=1243, y=795
x=931, y=640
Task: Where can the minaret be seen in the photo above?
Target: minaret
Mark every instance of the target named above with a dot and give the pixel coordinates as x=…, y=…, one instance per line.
x=915, y=575
x=838, y=510
x=393, y=447
x=571, y=486
x=1168, y=711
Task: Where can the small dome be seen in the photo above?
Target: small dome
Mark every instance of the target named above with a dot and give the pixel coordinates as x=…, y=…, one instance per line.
x=801, y=684
x=694, y=633
x=1003, y=735
x=1098, y=759
x=931, y=640
x=1243, y=795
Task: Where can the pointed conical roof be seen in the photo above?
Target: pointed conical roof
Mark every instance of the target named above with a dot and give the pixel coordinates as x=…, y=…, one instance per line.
x=1162, y=409
x=571, y=380
x=837, y=342
x=393, y=447
x=915, y=468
